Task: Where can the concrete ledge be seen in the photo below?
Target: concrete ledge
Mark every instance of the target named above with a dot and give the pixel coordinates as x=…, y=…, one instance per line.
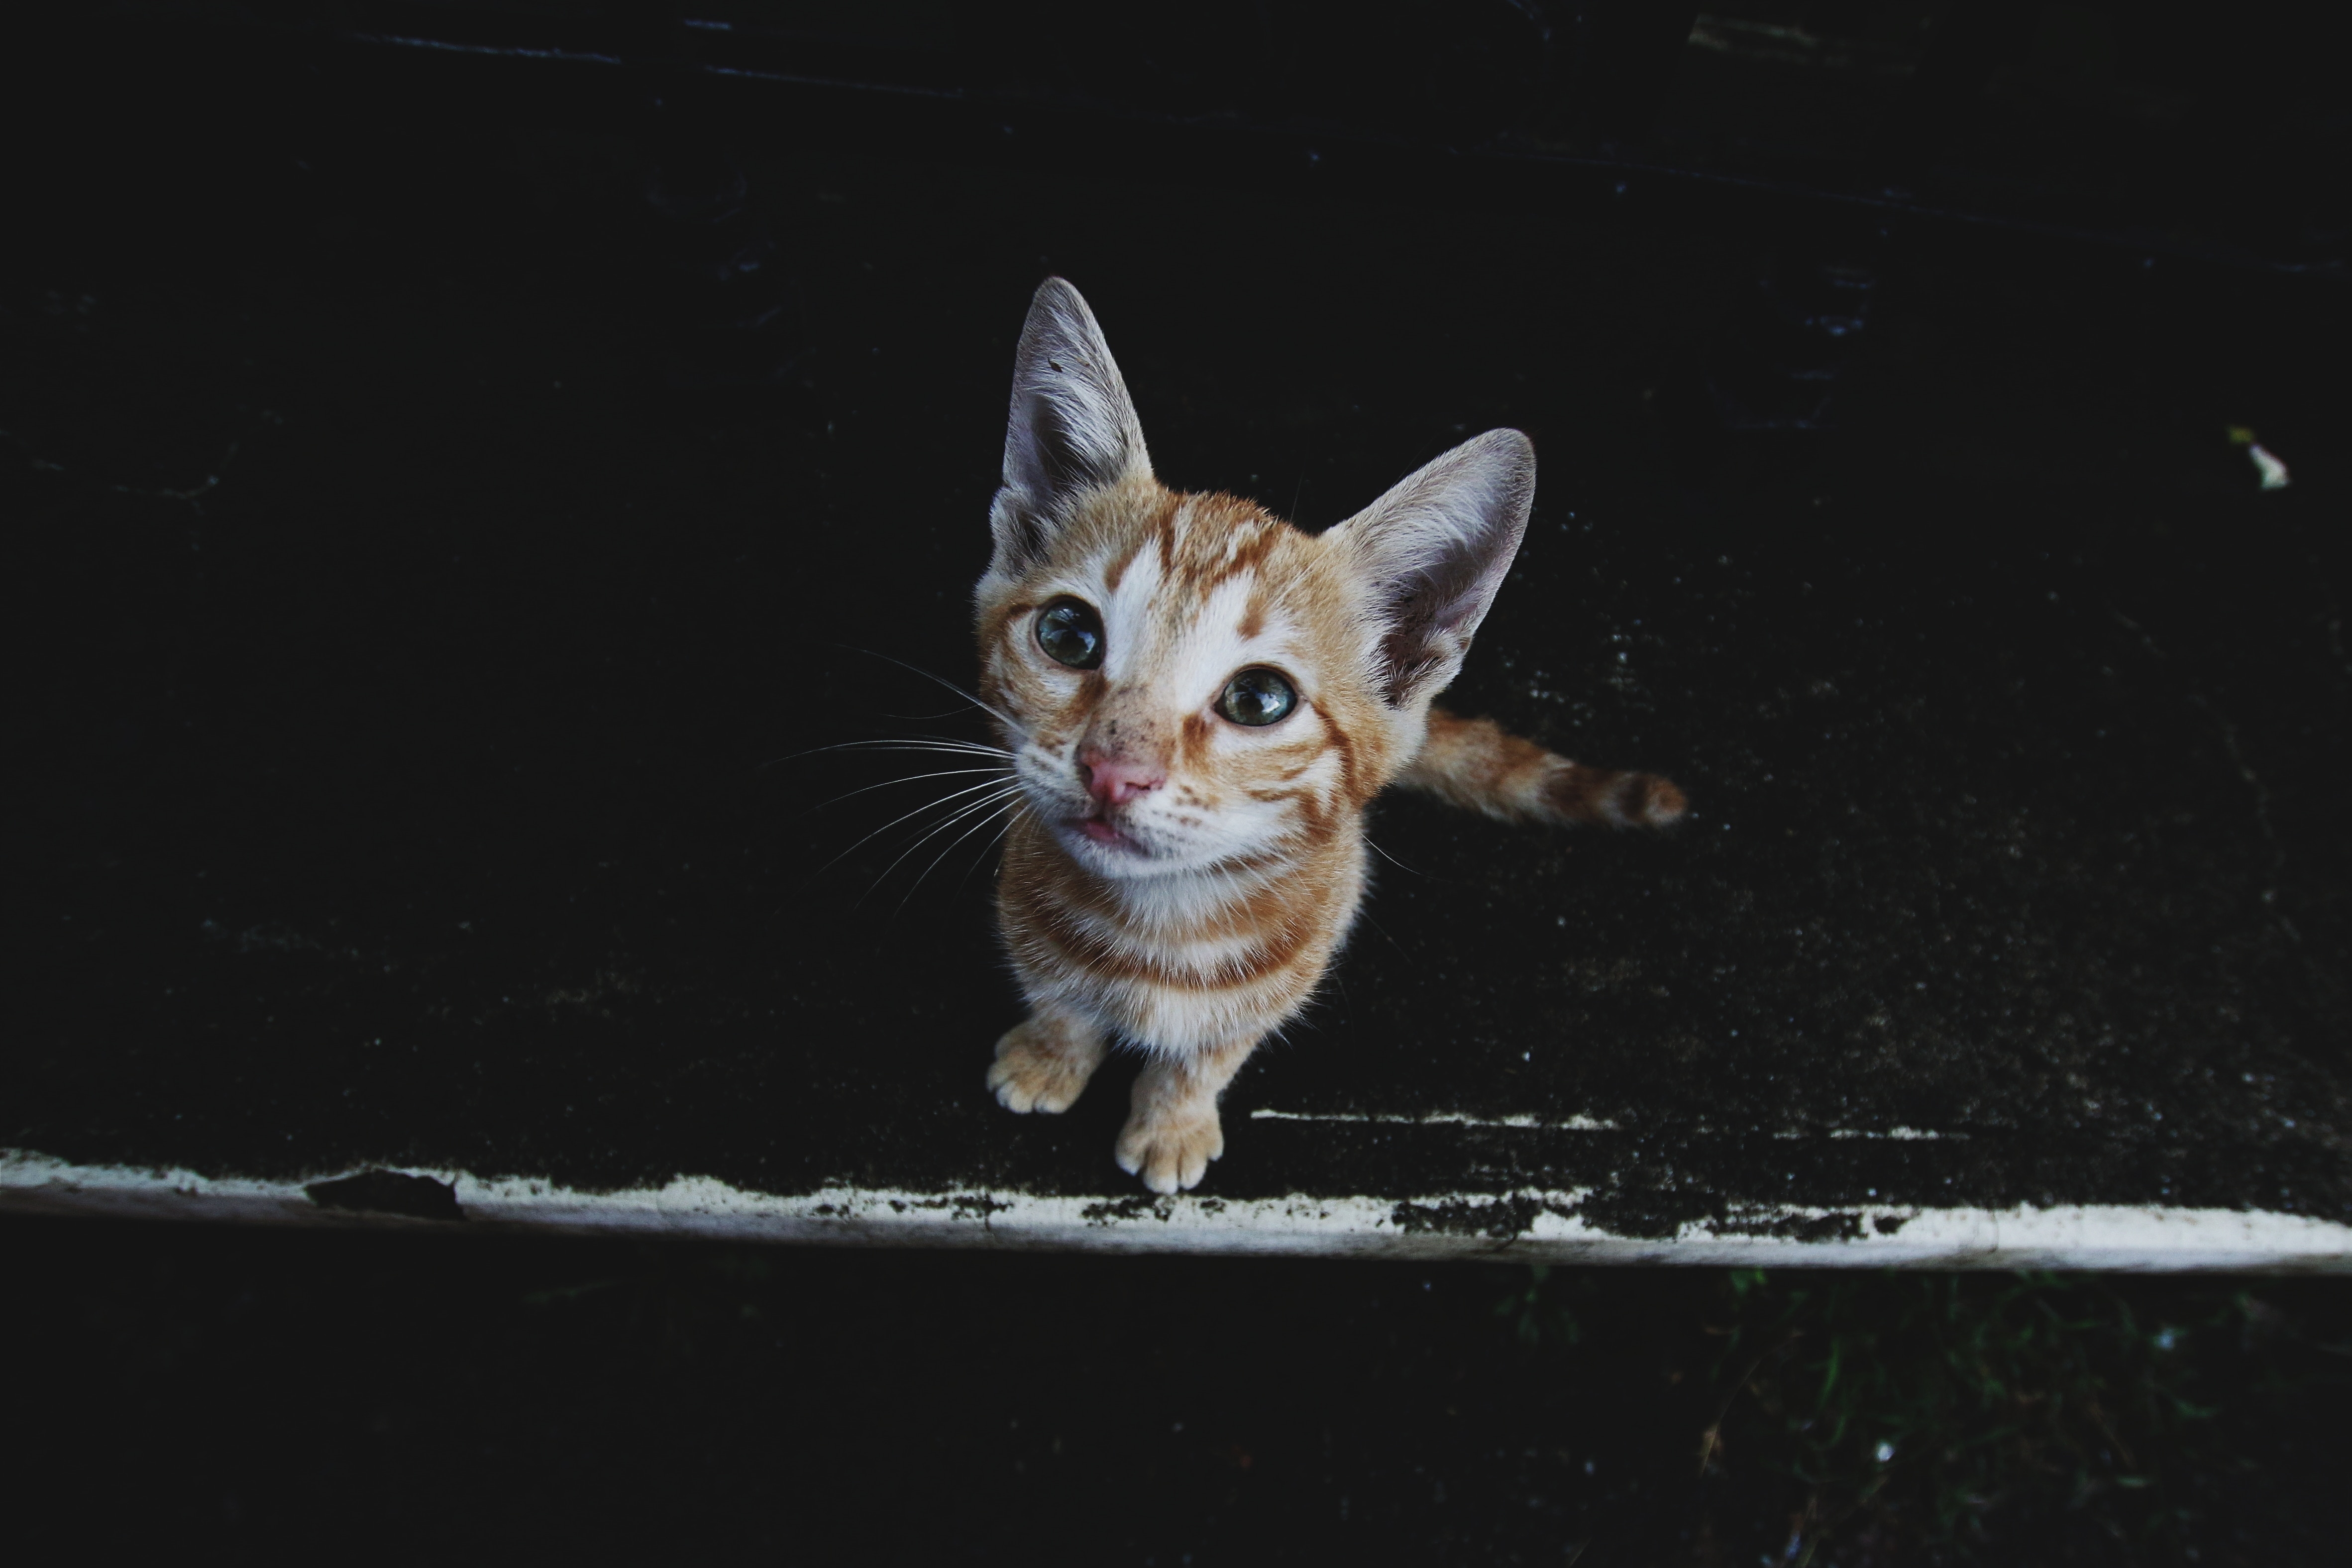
x=1517, y=1227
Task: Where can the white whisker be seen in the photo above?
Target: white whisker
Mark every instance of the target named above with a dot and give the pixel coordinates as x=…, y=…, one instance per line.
x=982, y=804
x=918, y=718
x=893, y=745
x=1008, y=719
x=1019, y=808
x=1389, y=858
x=956, y=740
x=1004, y=810
x=910, y=779
x=926, y=806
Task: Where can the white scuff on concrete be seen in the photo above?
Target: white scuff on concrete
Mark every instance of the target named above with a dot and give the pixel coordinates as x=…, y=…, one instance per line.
x=1576, y=1123
x=2271, y=471
x=2107, y=1237
x=1442, y=1119
x=1900, y=1135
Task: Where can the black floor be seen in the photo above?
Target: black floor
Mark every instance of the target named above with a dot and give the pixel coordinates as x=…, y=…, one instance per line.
x=430, y=572
x=232, y=1396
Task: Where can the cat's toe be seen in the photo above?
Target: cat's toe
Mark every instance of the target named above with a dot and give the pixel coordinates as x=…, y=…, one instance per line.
x=1014, y=1090
x=1025, y=1083
x=1170, y=1156
x=1028, y=1076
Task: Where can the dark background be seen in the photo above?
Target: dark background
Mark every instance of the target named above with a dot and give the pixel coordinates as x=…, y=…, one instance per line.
x=461, y=448
x=446, y=443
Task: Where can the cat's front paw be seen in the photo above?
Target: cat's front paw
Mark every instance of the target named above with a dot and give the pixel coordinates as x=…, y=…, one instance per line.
x=1040, y=1067
x=1171, y=1151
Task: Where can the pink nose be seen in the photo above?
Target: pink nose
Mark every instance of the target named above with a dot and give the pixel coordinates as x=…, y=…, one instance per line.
x=1114, y=780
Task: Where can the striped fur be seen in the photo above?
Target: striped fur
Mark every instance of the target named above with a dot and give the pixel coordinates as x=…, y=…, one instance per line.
x=1178, y=880
x=1476, y=763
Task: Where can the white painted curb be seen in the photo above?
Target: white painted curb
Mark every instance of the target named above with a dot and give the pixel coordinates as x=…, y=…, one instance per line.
x=2100, y=1237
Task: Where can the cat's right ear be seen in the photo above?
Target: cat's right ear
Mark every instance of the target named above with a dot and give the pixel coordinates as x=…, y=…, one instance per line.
x=1433, y=551
x=1072, y=428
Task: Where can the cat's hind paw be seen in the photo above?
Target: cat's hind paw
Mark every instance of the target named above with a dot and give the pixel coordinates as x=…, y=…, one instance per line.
x=1170, y=1152
x=1043, y=1066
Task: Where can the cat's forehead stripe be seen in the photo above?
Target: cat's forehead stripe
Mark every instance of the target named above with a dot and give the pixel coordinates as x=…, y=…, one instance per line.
x=1127, y=612
x=1185, y=592
x=1217, y=538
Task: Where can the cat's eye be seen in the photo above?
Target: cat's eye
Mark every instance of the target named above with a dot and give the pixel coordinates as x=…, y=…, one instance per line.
x=1071, y=633
x=1257, y=697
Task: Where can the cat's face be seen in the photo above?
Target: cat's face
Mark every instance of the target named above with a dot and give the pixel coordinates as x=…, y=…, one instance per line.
x=1190, y=681
x=1185, y=680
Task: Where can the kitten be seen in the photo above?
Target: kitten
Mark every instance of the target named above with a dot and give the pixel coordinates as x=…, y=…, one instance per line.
x=1199, y=700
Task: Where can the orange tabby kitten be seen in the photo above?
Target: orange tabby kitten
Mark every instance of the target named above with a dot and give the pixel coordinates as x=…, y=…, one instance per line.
x=1199, y=700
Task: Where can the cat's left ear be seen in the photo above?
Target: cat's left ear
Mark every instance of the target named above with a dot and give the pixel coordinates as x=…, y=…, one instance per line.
x=1433, y=552
x=1072, y=428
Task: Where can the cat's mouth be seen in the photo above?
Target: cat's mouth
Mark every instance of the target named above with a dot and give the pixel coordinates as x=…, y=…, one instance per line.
x=1095, y=829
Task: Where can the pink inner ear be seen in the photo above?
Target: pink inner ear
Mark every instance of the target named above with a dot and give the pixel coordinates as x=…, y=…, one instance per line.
x=1437, y=546
x=1432, y=616
x=1072, y=426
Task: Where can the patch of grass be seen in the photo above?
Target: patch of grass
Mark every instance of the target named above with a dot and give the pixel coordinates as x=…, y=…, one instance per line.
x=1541, y=1316
x=1926, y=1402
x=1901, y=1418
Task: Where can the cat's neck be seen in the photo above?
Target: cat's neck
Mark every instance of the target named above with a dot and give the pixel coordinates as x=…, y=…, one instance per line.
x=1242, y=891
x=1207, y=895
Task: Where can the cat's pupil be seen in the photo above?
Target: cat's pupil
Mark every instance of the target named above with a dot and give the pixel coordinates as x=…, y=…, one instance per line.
x=1071, y=633
x=1257, y=697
